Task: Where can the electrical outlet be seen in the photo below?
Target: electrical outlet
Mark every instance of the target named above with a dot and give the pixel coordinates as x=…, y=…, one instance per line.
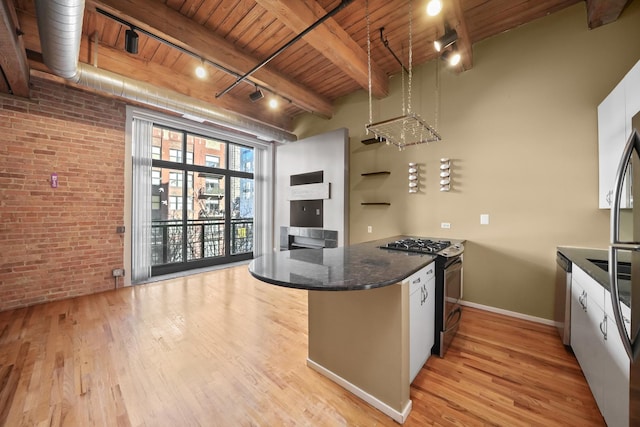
x=118, y=272
x=445, y=225
x=369, y=229
x=484, y=219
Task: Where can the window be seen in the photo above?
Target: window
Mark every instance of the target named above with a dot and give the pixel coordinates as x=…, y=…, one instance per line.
x=212, y=161
x=210, y=220
x=175, y=179
x=175, y=203
x=175, y=155
x=156, y=152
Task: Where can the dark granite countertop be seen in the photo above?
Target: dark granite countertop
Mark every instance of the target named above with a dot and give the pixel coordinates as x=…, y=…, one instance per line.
x=355, y=267
x=581, y=257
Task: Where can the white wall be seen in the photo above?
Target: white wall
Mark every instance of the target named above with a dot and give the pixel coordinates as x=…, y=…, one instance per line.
x=327, y=152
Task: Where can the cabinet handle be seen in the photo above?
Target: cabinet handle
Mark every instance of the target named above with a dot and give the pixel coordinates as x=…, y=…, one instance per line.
x=603, y=327
x=583, y=300
x=608, y=198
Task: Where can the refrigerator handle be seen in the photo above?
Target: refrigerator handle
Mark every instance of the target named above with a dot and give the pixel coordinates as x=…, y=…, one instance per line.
x=625, y=161
x=631, y=345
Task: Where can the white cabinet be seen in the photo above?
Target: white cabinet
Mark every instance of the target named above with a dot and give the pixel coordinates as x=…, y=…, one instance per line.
x=422, y=293
x=585, y=336
x=598, y=348
x=611, y=139
x=614, y=128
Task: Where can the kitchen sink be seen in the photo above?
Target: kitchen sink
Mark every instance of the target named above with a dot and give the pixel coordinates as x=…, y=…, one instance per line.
x=624, y=268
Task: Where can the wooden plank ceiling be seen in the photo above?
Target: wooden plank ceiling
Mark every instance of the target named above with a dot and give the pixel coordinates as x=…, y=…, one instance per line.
x=329, y=62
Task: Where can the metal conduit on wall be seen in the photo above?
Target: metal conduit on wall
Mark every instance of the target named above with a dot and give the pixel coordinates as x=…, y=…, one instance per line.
x=60, y=28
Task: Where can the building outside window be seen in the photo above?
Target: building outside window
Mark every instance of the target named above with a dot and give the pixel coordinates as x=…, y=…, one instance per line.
x=175, y=179
x=210, y=221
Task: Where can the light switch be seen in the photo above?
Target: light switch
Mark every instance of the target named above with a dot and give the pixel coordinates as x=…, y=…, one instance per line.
x=484, y=219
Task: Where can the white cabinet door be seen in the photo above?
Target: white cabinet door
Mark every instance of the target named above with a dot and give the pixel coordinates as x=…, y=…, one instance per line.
x=632, y=96
x=422, y=287
x=614, y=128
x=585, y=338
x=598, y=348
x=611, y=140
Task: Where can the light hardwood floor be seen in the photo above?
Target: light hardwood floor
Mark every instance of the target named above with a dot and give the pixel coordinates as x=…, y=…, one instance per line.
x=223, y=349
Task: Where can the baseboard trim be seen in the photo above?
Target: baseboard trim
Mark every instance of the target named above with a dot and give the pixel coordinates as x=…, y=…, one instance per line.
x=397, y=416
x=508, y=313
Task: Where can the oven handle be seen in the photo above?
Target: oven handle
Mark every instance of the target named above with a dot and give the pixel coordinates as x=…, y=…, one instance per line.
x=453, y=264
x=457, y=311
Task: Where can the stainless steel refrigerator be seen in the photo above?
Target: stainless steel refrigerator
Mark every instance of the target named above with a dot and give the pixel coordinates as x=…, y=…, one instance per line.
x=625, y=244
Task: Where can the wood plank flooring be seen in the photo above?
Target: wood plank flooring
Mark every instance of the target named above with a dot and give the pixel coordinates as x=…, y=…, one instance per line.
x=223, y=349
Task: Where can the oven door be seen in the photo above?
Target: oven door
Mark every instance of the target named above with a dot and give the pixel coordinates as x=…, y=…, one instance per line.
x=452, y=294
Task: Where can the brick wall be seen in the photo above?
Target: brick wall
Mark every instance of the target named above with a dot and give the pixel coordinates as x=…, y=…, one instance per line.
x=59, y=242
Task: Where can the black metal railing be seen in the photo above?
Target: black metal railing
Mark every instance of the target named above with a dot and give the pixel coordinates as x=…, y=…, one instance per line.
x=205, y=238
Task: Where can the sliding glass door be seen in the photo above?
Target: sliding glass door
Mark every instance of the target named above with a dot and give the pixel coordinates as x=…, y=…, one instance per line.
x=202, y=201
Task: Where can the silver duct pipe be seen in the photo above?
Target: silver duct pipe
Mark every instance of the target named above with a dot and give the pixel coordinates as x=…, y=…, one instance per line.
x=145, y=93
x=60, y=28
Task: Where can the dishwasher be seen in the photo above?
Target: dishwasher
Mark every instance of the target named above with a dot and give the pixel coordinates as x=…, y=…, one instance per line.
x=562, y=305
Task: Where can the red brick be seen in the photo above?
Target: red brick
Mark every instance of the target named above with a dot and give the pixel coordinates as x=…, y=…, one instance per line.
x=59, y=243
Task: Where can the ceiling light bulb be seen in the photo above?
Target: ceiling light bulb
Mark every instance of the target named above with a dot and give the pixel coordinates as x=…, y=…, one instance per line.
x=451, y=57
x=434, y=7
x=200, y=71
x=454, y=59
x=273, y=103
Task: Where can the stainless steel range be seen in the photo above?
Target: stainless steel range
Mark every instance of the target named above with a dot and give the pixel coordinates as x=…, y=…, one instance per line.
x=448, y=283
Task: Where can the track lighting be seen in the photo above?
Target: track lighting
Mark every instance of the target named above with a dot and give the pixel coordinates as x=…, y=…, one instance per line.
x=451, y=57
x=273, y=103
x=257, y=95
x=434, y=7
x=446, y=40
x=131, y=41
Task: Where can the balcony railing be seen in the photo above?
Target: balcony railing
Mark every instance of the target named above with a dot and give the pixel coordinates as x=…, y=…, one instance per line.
x=204, y=239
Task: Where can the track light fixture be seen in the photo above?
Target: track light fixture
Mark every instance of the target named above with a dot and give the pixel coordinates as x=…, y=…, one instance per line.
x=451, y=57
x=257, y=95
x=131, y=41
x=446, y=40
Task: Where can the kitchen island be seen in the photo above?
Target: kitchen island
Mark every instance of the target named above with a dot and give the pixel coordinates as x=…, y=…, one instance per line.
x=358, y=315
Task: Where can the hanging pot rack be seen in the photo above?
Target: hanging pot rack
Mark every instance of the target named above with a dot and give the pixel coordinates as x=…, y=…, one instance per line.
x=408, y=129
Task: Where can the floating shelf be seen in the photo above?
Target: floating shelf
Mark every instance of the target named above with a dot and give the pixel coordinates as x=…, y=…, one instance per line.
x=372, y=141
x=375, y=203
x=376, y=173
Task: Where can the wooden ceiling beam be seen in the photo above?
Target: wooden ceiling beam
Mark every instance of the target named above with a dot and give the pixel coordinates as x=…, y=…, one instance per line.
x=172, y=26
x=13, y=58
x=463, y=44
x=134, y=67
x=331, y=40
x=601, y=12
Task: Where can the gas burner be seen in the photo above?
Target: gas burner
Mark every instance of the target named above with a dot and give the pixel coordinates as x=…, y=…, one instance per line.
x=418, y=245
